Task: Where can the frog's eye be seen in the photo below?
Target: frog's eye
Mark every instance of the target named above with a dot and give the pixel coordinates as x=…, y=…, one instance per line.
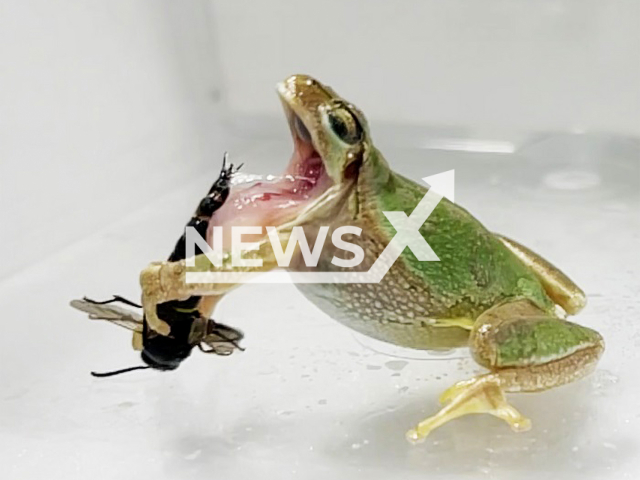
x=345, y=125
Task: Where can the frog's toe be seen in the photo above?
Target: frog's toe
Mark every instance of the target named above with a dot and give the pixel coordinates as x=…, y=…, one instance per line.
x=152, y=294
x=478, y=395
x=154, y=322
x=454, y=391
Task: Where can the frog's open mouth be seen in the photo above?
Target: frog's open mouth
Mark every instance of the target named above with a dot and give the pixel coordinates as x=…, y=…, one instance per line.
x=274, y=200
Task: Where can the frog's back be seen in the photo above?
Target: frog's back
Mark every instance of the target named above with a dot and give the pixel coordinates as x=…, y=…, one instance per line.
x=475, y=271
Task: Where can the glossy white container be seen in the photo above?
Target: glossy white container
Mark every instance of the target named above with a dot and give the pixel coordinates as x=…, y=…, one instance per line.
x=113, y=120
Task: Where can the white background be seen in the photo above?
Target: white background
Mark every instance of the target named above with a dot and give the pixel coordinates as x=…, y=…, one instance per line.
x=113, y=120
x=103, y=106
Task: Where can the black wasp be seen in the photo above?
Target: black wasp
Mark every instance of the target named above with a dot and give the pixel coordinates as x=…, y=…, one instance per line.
x=189, y=328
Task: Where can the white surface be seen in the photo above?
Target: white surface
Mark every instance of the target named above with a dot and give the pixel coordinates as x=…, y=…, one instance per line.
x=306, y=399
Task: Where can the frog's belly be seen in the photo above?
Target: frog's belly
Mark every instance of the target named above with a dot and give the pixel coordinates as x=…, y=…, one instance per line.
x=370, y=310
x=397, y=310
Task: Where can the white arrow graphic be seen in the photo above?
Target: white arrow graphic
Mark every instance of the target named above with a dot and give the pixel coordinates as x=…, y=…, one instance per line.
x=407, y=235
x=443, y=183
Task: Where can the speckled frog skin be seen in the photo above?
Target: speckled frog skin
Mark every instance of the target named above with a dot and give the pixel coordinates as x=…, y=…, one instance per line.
x=416, y=299
x=487, y=292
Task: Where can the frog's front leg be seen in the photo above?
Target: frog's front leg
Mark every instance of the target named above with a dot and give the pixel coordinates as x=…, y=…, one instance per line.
x=166, y=281
x=526, y=350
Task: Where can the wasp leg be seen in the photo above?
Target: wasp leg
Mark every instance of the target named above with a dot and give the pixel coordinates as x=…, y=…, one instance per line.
x=217, y=196
x=115, y=299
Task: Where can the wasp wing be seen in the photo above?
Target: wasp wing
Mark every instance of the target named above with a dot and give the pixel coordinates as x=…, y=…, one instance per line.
x=221, y=339
x=111, y=313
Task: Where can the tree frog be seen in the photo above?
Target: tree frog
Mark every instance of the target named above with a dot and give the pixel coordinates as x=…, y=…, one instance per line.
x=507, y=304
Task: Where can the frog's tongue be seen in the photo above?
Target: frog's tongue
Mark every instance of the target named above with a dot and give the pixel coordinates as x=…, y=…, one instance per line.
x=261, y=201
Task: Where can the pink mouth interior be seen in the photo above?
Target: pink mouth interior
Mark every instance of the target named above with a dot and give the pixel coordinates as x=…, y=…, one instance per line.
x=273, y=200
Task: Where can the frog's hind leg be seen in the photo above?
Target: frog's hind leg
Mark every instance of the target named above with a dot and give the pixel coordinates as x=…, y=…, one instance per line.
x=560, y=288
x=526, y=350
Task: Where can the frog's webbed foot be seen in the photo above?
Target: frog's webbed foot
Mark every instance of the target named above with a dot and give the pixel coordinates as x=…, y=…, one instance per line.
x=166, y=281
x=153, y=293
x=526, y=350
x=481, y=394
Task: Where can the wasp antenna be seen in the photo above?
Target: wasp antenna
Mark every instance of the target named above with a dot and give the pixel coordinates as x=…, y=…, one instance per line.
x=224, y=160
x=118, y=372
x=116, y=298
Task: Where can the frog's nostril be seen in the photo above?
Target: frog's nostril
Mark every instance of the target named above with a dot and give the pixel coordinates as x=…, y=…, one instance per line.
x=301, y=130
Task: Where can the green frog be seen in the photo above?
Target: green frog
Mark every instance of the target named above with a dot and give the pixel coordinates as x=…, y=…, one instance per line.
x=507, y=304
